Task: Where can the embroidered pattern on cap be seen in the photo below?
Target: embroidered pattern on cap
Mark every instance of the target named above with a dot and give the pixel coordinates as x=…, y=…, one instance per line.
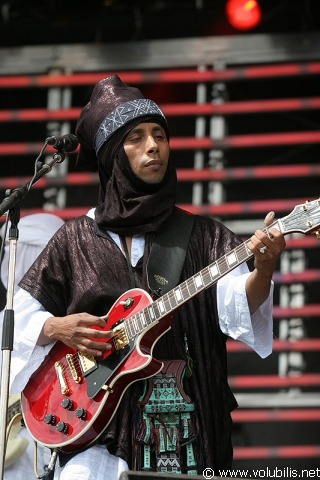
x=122, y=115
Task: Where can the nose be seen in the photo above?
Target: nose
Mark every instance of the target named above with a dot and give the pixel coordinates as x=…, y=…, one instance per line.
x=151, y=144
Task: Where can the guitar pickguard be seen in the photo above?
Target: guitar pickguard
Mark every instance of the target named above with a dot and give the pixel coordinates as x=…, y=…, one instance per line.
x=100, y=376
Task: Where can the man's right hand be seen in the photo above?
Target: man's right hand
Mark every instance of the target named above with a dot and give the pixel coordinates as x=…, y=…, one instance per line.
x=76, y=331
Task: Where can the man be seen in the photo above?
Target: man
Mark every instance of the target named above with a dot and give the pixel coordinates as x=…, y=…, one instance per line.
x=95, y=258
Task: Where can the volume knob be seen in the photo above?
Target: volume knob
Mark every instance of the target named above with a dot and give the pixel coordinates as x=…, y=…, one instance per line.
x=50, y=419
x=67, y=403
x=81, y=413
x=62, y=427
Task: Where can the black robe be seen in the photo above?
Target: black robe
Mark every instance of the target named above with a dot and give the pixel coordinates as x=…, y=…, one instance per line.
x=83, y=270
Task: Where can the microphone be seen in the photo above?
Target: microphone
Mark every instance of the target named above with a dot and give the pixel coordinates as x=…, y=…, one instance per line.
x=68, y=142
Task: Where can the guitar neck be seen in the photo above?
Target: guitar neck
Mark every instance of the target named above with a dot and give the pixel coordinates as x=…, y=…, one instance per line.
x=202, y=280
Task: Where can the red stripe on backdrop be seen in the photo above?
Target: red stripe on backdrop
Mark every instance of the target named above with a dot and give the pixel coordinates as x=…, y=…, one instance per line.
x=258, y=207
x=184, y=175
x=272, y=415
x=296, y=451
x=246, y=208
x=305, y=276
x=190, y=175
x=183, y=109
x=166, y=76
x=305, y=311
x=243, y=173
x=310, y=344
x=245, y=141
x=192, y=143
x=250, y=106
x=274, y=381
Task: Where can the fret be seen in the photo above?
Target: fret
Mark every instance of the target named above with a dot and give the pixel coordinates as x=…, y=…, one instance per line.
x=166, y=302
x=206, y=276
x=231, y=258
x=242, y=253
x=223, y=265
x=198, y=281
x=151, y=314
x=161, y=306
x=139, y=321
x=191, y=286
x=178, y=295
x=130, y=328
x=184, y=291
x=214, y=272
x=172, y=300
x=249, y=253
x=156, y=310
x=187, y=292
x=143, y=318
x=135, y=324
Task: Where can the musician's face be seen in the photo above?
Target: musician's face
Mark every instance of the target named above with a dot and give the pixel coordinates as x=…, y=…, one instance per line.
x=147, y=149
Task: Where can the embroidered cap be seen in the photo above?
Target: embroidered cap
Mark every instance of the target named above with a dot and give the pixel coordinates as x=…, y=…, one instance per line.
x=113, y=104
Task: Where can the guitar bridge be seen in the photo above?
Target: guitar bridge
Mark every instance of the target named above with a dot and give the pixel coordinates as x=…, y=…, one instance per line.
x=61, y=378
x=72, y=367
x=120, y=337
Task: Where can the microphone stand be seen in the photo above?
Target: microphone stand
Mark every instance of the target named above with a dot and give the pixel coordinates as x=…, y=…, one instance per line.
x=10, y=203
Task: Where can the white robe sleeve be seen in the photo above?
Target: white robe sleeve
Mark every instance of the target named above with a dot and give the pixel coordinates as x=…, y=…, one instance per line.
x=29, y=317
x=235, y=320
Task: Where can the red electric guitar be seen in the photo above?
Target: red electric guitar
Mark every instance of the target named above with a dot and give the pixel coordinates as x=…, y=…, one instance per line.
x=70, y=400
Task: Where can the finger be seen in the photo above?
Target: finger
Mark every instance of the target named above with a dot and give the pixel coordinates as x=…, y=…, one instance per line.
x=90, y=320
x=105, y=334
x=95, y=348
x=272, y=237
x=260, y=238
x=275, y=234
x=101, y=322
x=258, y=243
x=269, y=218
x=91, y=351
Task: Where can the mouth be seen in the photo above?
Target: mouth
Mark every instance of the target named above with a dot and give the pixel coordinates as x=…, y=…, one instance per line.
x=156, y=163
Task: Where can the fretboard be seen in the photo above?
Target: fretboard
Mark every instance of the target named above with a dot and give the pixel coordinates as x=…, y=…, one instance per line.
x=202, y=280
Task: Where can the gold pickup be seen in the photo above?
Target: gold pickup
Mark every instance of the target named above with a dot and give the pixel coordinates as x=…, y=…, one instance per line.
x=120, y=337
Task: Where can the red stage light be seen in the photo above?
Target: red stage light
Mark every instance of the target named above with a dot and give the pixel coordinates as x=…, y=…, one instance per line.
x=243, y=14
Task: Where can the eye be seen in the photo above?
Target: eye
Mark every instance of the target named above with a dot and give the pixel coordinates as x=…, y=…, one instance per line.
x=160, y=136
x=134, y=139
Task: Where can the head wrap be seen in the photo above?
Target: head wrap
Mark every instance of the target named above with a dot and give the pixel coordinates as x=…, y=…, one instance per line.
x=113, y=104
x=34, y=233
x=127, y=205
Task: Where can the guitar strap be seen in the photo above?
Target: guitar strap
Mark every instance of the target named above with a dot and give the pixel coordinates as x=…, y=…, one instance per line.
x=168, y=252
x=167, y=420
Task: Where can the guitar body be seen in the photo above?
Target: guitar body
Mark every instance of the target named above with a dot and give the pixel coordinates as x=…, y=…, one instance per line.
x=69, y=407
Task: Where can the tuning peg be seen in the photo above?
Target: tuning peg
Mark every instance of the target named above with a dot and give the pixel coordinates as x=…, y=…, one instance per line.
x=317, y=233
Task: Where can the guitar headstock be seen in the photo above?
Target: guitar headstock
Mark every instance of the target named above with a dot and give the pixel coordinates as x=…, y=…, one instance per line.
x=304, y=218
